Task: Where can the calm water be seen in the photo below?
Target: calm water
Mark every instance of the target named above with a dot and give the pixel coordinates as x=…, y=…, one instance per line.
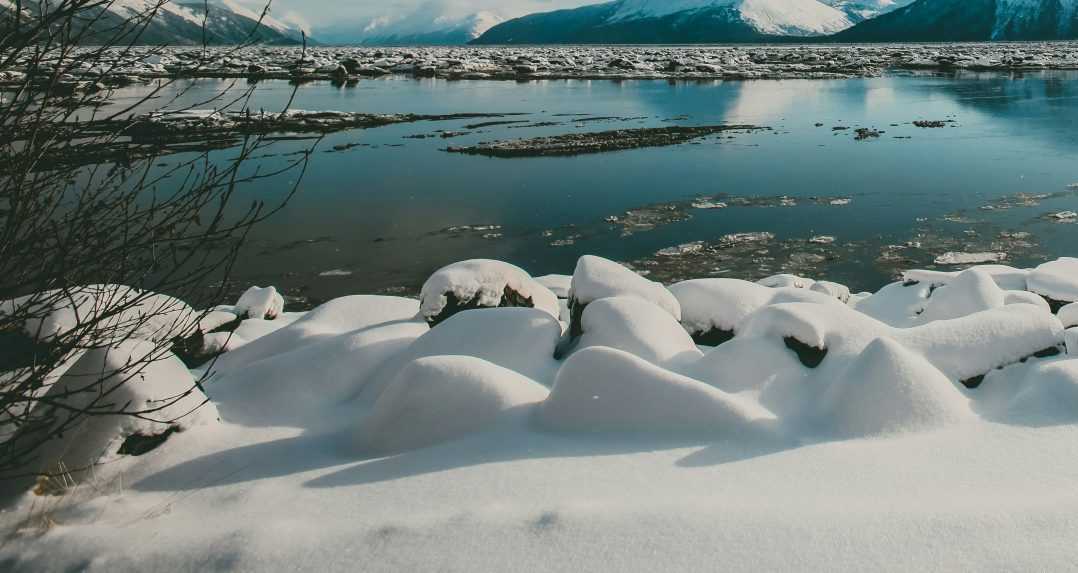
x=377, y=211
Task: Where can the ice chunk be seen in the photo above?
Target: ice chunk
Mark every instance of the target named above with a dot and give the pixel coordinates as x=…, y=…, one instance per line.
x=890, y=389
x=953, y=258
x=482, y=283
x=441, y=398
x=607, y=390
x=257, y=302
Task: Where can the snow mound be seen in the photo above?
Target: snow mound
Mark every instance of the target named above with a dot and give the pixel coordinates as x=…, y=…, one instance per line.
x=970, y=292
x=347, y=314
x=1057, y=280
x=560, y=285
x=1072, y=341
x=518, y=339
x=160, y=390
x=607, y=390
x=890, y=389
x=1068, y=315
x=441, y=398
x=786, y=281
x=1044, y=393
x=638, y=327
x=722, y=305
x=837, y=291
x=596, y=278
x=116, y=313
x=1008, y=278
x=482, y=283
x=257, y=302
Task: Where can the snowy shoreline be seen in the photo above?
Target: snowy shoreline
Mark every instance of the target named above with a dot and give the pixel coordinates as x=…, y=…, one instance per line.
x=671, y=426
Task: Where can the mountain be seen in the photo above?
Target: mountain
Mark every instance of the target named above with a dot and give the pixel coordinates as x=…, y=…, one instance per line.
x=970, y=20
x=177, y=23
x=417, y=29
x=861, y=10
x=672, y=22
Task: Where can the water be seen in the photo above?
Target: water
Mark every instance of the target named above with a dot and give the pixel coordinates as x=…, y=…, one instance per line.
x=375, y=213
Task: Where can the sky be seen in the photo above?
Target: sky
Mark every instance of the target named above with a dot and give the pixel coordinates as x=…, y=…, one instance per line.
x=315, y=14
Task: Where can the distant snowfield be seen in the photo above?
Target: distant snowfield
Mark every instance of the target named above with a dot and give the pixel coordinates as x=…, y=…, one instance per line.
x=931, y=425
x=778, y=17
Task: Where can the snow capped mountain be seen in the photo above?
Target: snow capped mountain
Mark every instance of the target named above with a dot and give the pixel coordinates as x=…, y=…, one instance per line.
x=419, y=28
x=861, y=10
x=971, y=20
x=775, y=17
x=674, y=21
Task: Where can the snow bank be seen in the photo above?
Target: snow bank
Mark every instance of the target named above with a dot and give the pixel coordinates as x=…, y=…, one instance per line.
x=607, y=390
x=889, y=389
x=596, y=278
x=440, y=398
x=482, y=284
x=258, y=302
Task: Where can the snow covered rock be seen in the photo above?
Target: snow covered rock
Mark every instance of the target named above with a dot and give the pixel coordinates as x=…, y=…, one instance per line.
x=835, y=290
x=482, y=283
x=713, y=309
x=257, y=302
x=439, y=398
x=890, y=389
x=1036, y=394
x=1026, y=297
x=786, y=281
x=596, y=278
x=1056, y=280
x=116, y=312
x=1071, y=336
x=970, y=292
x=1068, y=315
x=638, y=327
x=607, y=390
x=560, y=285
x=518, y=339
x=133, y=376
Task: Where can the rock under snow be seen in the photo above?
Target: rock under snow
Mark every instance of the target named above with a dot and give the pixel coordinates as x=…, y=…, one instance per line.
x=440, y=398
x=482, y=284
x=265, y=303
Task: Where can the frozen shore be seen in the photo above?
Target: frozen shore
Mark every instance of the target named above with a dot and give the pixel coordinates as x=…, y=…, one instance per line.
x=597, y=420
x=812, y=61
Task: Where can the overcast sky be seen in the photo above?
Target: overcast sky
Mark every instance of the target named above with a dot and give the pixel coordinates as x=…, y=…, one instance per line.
x=322, y=13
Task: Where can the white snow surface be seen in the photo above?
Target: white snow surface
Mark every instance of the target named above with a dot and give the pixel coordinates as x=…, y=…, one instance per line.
x=355, y=437
x=258, y=302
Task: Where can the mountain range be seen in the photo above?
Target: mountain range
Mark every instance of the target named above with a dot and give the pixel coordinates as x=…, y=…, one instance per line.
x=725, y=21
x=180, y=22
x=413, y=29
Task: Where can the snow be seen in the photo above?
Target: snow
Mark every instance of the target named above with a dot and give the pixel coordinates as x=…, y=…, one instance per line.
x=953, y=258
x=779, y=17
x=1068, y=315
x=607, y=390
x=1057, y=280
x=441, y=398
x=638, y=327
x=483, y=283
x=356, y=435
x=890, y=389
x=597, y=278
x=258, y=302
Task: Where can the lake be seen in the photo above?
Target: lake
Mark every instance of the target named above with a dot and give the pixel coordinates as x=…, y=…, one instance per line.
x=380, y=216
